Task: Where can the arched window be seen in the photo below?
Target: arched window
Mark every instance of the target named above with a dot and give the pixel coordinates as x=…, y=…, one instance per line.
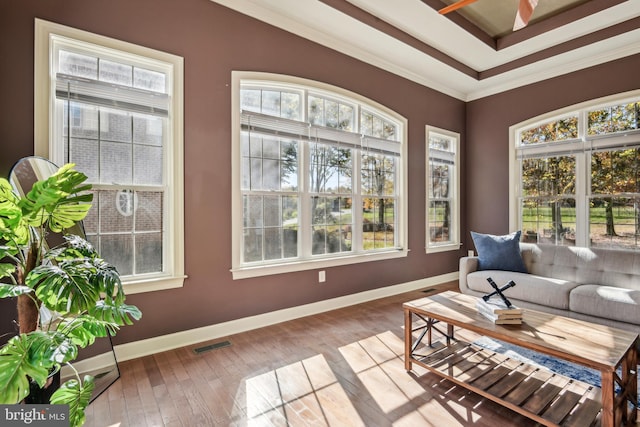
x=318, y=177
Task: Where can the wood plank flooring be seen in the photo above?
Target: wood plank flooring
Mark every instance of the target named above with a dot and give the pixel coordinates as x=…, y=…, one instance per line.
x=340, y=368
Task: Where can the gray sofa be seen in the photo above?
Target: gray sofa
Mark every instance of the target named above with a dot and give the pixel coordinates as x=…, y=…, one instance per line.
x=597, y=285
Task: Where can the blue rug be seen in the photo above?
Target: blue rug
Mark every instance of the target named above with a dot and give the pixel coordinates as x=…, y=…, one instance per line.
x=559, y=366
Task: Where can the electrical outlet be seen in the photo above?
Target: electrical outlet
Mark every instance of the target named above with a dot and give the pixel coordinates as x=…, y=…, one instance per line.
x=321, y=276
x=470, y=253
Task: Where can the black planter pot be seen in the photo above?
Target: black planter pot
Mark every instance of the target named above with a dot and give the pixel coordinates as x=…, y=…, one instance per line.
x=42, y=395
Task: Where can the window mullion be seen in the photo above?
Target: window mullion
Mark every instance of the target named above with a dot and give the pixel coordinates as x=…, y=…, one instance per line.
x=304, y=210
x=356, y=229
x=583, y=181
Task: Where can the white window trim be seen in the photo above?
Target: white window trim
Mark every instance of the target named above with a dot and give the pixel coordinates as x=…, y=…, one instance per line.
x=44, y=99
x=582, y=167
x=241, y=272
x=455, y=243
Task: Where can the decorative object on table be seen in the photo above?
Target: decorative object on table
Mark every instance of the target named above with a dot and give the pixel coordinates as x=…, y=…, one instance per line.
x=67, y=295
x=496, y=307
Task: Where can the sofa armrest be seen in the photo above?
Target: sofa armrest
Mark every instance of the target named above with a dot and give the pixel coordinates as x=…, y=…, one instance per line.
x=468, y=264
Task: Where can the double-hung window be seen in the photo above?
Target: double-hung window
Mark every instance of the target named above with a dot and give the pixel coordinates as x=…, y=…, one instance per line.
x=318, y=177
x=114, y=110
x=443, y=190
x=578, y=175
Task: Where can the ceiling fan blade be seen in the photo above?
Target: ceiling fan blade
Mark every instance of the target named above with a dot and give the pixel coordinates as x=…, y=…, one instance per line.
x=525, y=10
x=454, y=6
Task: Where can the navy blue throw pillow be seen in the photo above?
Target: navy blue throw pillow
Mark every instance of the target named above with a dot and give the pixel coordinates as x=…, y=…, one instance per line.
x=499, y=252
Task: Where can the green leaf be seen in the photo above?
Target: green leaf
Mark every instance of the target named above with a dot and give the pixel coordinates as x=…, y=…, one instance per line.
x=13, y=227
x=77, y=395
x=65, y=288
x=16, y=367
x=51, y=348
x=84, y=329
x=57, y=200
x=10, y=291
x=7, y=270
x=121, y=314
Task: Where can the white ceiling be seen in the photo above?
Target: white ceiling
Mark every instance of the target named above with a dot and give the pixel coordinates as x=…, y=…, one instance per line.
x=328, y=26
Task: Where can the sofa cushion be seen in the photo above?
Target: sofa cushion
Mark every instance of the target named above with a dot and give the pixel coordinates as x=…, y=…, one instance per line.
x=499, y=252
x=529, y=287
x=607, y=301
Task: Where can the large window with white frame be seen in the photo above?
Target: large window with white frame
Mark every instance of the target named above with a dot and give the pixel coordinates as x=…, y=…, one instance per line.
x=443, y=190
x=319, y=177
x=115, y=110
x=578, y=175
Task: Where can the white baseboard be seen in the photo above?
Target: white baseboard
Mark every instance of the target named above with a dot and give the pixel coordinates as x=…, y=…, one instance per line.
x=162, y=343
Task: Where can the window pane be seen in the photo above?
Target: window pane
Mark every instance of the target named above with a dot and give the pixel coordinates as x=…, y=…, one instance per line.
x=118, y=249
x=614, y=172
x=556, y=130
x=316, y=111
x=549, y=221
x=115, y=126
x=147, y=167
x=378, y=174
x=613, y=222
x=83, y=152
x=347, y=118
x=250, y=100
x=114, y=72
x=149, y=80
x=148, y=130
x=289, y=165
x=115, y=163
x=79, y=65
x=376, y=126
x=439, y=221
x=291, y=105
x=83, y=119
x=272, y=164
x=439, y=180
x=378, y=221
x=548, y=176
x=274, y=218
x=332, y=224
x=332, y=114
x=148, y=211
x=271, y=103
x=613, y=119
x=148, y=253
x=252, y=244
x=330, y=169
x=116, y=211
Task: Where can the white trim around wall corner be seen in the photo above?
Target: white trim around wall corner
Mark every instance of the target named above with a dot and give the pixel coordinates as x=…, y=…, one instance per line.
x=162, y=343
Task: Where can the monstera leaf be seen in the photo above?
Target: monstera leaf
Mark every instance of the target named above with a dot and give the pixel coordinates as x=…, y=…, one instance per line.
x=10, y=291
x=58, y=200
x=17, y=366
x=120, y=314
x=77, y=395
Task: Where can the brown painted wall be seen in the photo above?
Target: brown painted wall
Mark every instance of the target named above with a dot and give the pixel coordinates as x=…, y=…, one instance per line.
x=214, y=41
x=488, y=121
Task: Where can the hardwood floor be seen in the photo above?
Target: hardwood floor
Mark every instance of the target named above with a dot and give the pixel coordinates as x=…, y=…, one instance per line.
x=339, y=368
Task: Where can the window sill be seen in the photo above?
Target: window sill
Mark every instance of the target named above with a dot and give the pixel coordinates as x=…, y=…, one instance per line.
x=443, y=248
x=154, y=284
x=266, y=270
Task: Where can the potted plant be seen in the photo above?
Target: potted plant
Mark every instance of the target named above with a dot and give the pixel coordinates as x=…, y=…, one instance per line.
x=67, y=295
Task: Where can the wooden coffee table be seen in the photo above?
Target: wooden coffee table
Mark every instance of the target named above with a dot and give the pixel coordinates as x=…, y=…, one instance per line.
x=543, y=396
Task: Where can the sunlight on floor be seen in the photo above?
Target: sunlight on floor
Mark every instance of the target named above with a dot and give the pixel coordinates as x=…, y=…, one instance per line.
x=302, y=393
x=309, y=392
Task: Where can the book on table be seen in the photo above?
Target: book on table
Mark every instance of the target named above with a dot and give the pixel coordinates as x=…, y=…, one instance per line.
x=498, y=312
